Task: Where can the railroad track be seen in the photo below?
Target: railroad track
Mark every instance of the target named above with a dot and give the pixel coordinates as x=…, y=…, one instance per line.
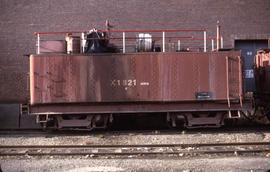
x=136, y=150
x=40, y=131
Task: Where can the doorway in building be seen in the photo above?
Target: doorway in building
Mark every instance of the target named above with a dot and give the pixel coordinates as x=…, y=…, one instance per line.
x=248, y=51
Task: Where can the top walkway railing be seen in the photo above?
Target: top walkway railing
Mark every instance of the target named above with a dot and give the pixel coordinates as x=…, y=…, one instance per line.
x=167, y=39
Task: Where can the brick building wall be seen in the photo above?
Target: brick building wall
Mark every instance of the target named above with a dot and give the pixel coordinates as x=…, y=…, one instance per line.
x=240, y=19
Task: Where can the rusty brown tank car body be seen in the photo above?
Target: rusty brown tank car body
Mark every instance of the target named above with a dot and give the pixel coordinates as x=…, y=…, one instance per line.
x=179, y=83
x=140, y=77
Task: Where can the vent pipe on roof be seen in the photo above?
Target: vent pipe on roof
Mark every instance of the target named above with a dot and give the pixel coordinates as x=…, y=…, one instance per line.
x=218, y=36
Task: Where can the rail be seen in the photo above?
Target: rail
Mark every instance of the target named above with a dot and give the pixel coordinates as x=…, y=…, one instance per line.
x=136, y=150
x=162, y=35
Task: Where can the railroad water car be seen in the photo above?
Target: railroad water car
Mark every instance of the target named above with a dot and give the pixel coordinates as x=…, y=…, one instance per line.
x=84, y=81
